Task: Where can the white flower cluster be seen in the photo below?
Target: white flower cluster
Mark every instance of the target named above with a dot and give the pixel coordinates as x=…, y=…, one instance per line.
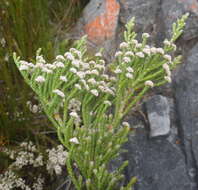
x=89, y=75
x=167, y=71
x=9, y=180
x=29, y=155
x=33, y=107
x=56, y=159
x=132, y=51
x=38, y=185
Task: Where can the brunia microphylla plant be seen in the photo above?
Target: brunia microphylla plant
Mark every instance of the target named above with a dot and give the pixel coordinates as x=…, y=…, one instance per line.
x=78, y=97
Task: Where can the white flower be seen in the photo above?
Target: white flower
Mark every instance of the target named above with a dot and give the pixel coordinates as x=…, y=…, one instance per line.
x=74, y=105
x=118, y=53
x=168, y=78
x=117, y=71
x=130, y=70
x=78, y=86
x=126, y=59
x=92, y=62
x=75, y=51
x=74, y=114
x=125, y=124
x=102, y=88
x=167, y=57
x=149, y=83
x=23, y=68
x=94, y=92
x=88, y=72
x=58, y=169
x=129, y=75
x=85, y=65
x=81, y=74
x=63, y=78
x=129, y=53
x=59, y=92
x=166, y=68
x=35, y=109
x=46, y=70
x=40, y=79
x=60, y=58
x=59, y=64
x=113, y=78
x=73, y=70
x=138, y=45
x=135, y=42
x=106, y=77
x=107, y=102
x=50, y=66
x=102, y=61
x=147, y=51
x=95, y=72
x=167, y=43
x=69, y=56
x=153, y=50
x=76, y=63
x=92, y=81
x=40, y=59
x=72, y=50
x=74, y=140
x=100, y=67
x=145, y=35
x=124, y=45
x=160, y=50
x=22, y=62
x=98, y=54
x=140, y=54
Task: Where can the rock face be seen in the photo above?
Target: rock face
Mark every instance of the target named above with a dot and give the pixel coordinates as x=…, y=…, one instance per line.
x=170, y=160
x=158, y=115
x=99, y=22
x=157, y=163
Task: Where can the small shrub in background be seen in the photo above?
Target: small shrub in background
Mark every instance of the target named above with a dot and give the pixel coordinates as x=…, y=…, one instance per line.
x=87, y=106
x=31, y=168
x=26, y=26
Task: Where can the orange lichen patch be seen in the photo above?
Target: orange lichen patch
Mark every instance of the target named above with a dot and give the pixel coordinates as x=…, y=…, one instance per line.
x=178, y=142
x=103, y=26
x=193, y=6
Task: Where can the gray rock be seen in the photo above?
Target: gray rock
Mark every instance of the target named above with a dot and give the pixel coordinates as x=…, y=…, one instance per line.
x=174, y=9
x=158, y=114
x=156, y=163
x=186, y=90
x=143, y=10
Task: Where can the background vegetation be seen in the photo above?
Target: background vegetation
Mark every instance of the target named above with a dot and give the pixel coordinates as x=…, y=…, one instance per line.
x=26, y=26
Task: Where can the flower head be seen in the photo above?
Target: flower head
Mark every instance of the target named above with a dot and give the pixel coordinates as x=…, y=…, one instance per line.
x=149, y=83
x=40, y=79
x=140, y=54
x=126, y=59
x=74, y=140
x=129, y=75
x=94, y=92
x=23, y=68
x=59, y=93
x=124, y=45
x=63, y=78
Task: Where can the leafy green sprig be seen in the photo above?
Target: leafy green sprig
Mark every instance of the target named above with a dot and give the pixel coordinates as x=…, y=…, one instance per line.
x=87, y=106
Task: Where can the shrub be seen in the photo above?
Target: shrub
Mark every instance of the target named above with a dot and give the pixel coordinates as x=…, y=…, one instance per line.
x=87, y=101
